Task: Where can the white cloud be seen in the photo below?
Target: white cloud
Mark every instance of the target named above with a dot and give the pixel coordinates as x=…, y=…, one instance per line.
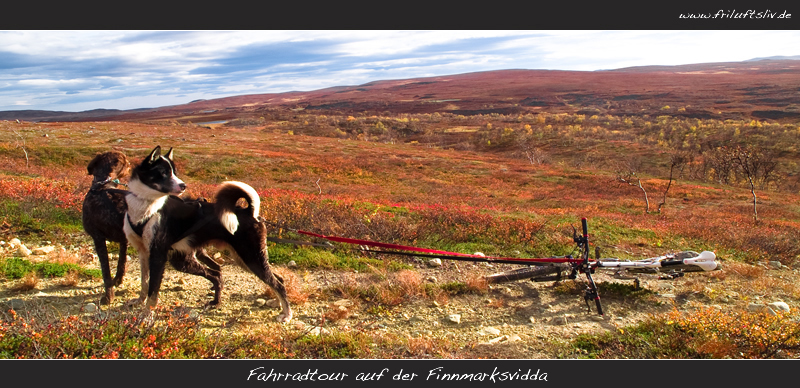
x=66, y=70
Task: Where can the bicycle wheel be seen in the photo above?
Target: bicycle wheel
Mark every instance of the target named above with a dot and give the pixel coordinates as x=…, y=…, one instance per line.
x=526, y=273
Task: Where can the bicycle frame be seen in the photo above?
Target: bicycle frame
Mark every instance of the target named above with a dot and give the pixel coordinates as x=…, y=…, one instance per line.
x=580, y=265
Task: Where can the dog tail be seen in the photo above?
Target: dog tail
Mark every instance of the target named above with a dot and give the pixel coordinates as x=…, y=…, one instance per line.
x=227, y=203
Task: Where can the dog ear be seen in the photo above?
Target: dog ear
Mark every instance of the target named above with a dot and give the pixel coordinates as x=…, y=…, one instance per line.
x=155, y=154
x=90, y=168
x=169, y=154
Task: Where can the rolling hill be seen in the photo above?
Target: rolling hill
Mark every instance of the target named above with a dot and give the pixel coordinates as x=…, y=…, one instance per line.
x=760, y=89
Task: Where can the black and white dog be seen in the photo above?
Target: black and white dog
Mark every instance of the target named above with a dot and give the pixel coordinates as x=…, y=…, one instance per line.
x=163, y=227
x=103, y=213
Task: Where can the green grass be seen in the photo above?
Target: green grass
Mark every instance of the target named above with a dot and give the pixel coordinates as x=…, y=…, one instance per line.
x=650, y=339
x=455, y=288
x=706, y=333
x=209, y=169
x=310, y=257
x=59, y=156
x=335, y=345
x=41, y=218
x=176, y=336
x=16, y=268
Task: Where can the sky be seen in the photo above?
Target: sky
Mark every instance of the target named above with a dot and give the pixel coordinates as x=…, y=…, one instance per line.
x=83, y=70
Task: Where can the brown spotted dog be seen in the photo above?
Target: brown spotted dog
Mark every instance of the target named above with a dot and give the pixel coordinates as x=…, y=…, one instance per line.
x=103, y=214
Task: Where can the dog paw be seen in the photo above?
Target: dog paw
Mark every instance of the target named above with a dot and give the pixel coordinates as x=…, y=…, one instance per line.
x=147, y=317
x=211, y=305
x=285, y=317
x=134, y=302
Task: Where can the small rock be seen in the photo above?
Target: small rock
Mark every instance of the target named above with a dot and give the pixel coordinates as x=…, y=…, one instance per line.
x=760, y=308
x=532, y=319
x=779, y=306
x=775, y=264
x=665, y=286
x=317, y=331
x=431, y=279
x=455, y=318
x=182, y=281
x=498, y=339
x=479, y=254
x=16, y=304
x=597, y=318
x=43, y=250
x=560, y=320
x=292, y=264
x=435, y=262
x=23, y=251
x=90, y=307
x=514, y=338
x=489, y=331
x=260, y=302
x=273, y=303
x=14, y=242
x=343, y=303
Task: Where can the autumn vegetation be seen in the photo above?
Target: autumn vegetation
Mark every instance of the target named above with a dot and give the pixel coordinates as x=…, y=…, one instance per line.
x=502, y=184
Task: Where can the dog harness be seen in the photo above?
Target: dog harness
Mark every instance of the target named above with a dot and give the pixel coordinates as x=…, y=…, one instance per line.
x=138, y=228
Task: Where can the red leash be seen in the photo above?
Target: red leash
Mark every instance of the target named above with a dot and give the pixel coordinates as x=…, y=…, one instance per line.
x=444, y=253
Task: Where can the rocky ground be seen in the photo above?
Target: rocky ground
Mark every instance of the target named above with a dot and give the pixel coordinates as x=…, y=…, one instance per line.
x=511, y=320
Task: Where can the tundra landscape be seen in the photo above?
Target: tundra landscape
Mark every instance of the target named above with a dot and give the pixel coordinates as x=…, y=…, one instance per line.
x=658, y=159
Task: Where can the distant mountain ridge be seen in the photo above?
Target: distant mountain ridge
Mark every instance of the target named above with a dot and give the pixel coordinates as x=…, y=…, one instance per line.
x=776, y=58
x=37, y=115
x=757, y=88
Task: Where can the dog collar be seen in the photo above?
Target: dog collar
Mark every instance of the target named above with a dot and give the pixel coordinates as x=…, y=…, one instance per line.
x=98, y=185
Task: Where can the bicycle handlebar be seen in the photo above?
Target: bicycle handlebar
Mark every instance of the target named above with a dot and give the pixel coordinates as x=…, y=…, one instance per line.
x=585, y=226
